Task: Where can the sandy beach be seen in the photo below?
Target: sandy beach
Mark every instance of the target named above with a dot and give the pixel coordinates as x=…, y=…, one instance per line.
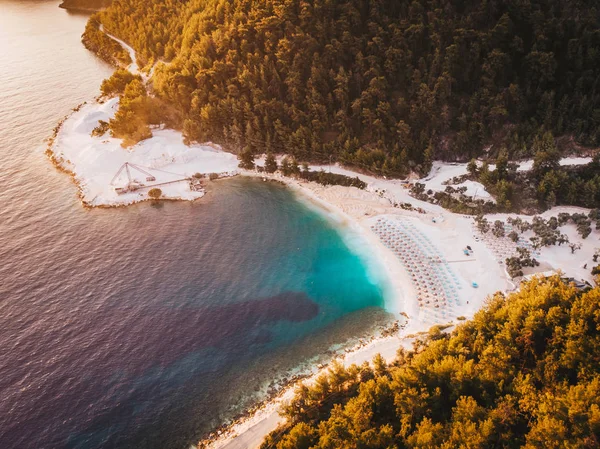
x=417, y=254
x=360, y=209
x=94, y=161
x=433, y=282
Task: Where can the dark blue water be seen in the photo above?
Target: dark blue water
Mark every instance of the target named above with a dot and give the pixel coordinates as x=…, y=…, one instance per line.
x=120, y=324
x=145, y=327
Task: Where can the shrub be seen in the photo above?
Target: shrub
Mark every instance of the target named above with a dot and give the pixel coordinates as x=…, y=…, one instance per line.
x=482, y=224
x=289, y=167
x=327, y=179
x=115, y=85
x=498, y=229
x=213, y=176
x=515, y=264
x=101, y=129
x=155, y=193
x=584, y=228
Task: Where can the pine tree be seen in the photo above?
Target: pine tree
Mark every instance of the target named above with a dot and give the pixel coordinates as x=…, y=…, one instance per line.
x=285, y=168
x=427, y=160
x=502, y=165
x=546, y=156
x=246, y=158
x=523, y=372
x=379, y=85
x=294, y=167
x=270, y=163
x=472, y=168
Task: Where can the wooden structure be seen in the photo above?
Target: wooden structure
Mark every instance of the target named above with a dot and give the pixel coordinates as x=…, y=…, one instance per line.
x=133, y=183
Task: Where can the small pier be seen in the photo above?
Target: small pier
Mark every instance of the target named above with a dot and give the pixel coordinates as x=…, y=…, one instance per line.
x=139, y=178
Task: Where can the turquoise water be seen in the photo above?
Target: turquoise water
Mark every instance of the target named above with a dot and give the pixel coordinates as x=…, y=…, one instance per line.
x=151, y=325
x=148, y=326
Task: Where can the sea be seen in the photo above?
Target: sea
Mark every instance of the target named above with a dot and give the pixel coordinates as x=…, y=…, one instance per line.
x=151, y=325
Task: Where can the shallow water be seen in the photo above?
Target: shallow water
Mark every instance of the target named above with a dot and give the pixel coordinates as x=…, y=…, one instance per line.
x=145, y=326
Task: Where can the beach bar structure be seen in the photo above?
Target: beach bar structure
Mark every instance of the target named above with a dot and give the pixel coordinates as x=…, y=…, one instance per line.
x=134, y=183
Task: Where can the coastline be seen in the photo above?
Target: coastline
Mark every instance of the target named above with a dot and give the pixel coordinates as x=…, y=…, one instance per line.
x=72, y=6
x=76, y=9
x=71, y=146
x=249, y=431
x=361, y=241
x=92, y=162
x=353, y=212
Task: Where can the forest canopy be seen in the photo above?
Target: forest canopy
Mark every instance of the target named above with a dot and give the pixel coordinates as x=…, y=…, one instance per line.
x=523, y=373
x=384, y=85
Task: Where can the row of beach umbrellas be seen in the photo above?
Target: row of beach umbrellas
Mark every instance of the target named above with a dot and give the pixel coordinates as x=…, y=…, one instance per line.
x=436, y=285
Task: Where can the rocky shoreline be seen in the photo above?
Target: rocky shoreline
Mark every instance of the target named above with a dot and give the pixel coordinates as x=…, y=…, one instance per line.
x=85, y=6
x=219, y=437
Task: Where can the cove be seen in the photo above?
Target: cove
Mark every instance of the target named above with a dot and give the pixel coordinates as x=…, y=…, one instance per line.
x=146, y=326
x=150, y=325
